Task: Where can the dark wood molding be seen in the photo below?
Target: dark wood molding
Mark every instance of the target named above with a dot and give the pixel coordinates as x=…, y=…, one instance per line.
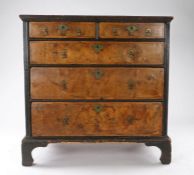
x=165, y=147
x=101, y=39
x=28, y=145
x=96, y=18
x=27, y=77
x=96, y=100
x=99, y=65
x=91, y=139
x=166, y=77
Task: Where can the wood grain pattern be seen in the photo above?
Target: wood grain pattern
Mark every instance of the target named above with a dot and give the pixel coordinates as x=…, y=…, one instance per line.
x=57, y=29
x=72, y=52
x=97, y=83
x=80, y=119
x=119, y=30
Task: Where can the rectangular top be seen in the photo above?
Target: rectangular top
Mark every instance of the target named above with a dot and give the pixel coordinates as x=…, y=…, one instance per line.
x=152, y=19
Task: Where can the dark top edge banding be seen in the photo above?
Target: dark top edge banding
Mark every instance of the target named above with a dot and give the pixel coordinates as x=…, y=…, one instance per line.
x=96, y=18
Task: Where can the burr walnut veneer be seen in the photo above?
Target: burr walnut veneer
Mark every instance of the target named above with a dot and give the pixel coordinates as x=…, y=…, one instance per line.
x=96, y=79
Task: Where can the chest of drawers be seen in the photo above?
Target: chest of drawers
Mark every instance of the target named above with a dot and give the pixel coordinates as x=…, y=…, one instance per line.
x=96, y=79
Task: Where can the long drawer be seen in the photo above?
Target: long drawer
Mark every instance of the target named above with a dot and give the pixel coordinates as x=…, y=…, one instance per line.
x=96, y=119
x=74, y=52
x=96, y=83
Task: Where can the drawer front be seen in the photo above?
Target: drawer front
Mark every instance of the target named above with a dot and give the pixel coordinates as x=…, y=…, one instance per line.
x=62, y=30
x=131, y=30
x=96, y=119
x=97, y=83
x=72, y=52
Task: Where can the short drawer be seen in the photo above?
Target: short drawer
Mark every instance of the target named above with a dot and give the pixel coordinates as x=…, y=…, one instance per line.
x=96, y=119
x=97, y=83
x=62, y=30
x=131, y=30
x=72, y=52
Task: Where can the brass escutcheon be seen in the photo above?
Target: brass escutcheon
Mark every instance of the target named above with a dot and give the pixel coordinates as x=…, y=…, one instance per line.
x=131, y=29
x=98, y=108
x=98, y=74
x=97, y=47
x=63, y=28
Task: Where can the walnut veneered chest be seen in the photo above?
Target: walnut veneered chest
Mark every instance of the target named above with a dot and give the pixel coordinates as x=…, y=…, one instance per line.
x=96, y=79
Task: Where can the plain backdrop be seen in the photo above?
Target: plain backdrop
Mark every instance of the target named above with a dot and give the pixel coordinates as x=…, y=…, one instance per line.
x=101, y=159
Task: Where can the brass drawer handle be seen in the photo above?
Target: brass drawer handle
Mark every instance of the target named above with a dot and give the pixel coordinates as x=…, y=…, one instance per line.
x=98, y=74
x=66, y=120
x=131, y=53
x=98, y=108
x=148, y=32
x=64, y=53
x=131, y=29
x=115, y=31
x=64, y=85
x=63, y=28
x=44, y=31
x=131, y=84
x=131, y=119
x=151, y=77
x=78, y=32
x=97, y=47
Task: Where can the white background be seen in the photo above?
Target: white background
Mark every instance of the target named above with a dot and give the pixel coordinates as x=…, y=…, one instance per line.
x=101, y=158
